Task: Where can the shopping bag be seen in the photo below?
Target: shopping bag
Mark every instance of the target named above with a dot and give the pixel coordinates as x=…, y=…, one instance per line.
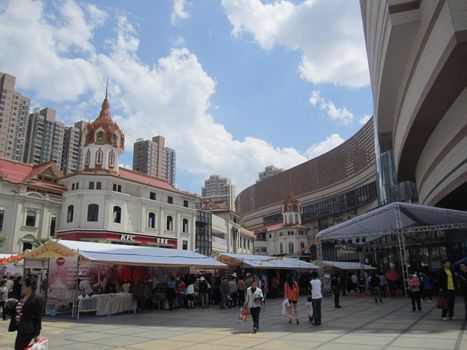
x=243, y=313
x=442, y=303
x=286, y=309
x=41, y=344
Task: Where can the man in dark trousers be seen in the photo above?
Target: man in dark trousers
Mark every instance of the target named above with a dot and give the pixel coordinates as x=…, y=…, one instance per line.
x=336, y=289
x=448, y=287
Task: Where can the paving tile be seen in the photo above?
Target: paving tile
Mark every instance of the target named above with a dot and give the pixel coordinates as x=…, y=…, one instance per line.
x=425, y=343
x=160, y=344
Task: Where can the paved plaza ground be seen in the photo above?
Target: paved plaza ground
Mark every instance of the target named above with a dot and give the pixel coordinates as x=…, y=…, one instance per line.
x=360, y=324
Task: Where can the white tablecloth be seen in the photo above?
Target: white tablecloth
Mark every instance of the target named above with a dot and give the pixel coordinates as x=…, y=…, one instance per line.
x=109, y=304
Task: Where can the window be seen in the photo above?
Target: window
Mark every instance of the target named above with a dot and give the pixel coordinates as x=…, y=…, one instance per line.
x=98, y=185
x=185, y=204
x=69, y=214
x=2, y=214
x=117, y=188
x=281, y=248
x=27, y=246
x=112, y=159
x=93, y=212
x=291, y=248
x=91, y=185
x=169, y=225
x=31, y=218
x=77, y=185
x=53, y=222
x=99, y=156
x=185, y=245
x=302, y=246
x=100, y=138
x=117, y=214
x=185, y=225
x=152, y=195
x=87, y=159
x=72, y=187
x=170, y=200
x=152, y=220
x=114, y=140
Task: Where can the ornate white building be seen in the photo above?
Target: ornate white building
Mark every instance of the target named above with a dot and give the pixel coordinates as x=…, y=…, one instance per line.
x=106, y=203
x=289, y=238
x=30, y=204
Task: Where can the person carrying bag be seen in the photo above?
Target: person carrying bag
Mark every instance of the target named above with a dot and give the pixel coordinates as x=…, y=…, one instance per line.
x=254, y=301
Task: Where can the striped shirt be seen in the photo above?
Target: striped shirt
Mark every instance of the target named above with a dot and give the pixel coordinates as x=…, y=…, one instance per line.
x=19, y=308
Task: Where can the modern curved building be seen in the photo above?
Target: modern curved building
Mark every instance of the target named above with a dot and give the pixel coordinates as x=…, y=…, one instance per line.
x=331, y=188
x=417, y=52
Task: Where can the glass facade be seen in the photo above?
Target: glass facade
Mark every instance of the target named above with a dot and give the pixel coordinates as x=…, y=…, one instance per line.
x=345, y=202
x=389, y=189
x=204, y=232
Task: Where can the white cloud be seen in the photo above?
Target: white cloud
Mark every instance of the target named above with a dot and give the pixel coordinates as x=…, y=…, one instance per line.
x=328, y=34
x=178, y=12
x=317, y=149
x=364, y=119
x=342, y=115
x=37, y=52
x=171, y=96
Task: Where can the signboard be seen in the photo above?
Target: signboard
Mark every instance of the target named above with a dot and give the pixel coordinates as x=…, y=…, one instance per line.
x=162, y=242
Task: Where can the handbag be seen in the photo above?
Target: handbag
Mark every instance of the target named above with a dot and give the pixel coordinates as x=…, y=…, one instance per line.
x=41, y=344
x=243, y=313
x=442, y=303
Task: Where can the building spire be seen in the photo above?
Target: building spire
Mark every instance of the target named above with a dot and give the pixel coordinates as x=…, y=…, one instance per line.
x=107, y=87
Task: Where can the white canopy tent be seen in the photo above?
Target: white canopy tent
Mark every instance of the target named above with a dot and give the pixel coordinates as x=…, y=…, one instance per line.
x=125, y=254
x=398, y=219
x=346, y=265
x=266, y=262
x=394, y=218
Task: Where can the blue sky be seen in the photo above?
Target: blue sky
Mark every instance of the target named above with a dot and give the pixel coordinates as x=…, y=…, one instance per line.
x=233, y=85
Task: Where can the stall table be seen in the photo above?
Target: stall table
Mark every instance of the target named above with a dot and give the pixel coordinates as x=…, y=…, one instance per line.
x=107, y=304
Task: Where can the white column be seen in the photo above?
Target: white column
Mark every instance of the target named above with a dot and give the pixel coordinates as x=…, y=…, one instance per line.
x=193, y=235
x=162, y=221
x=177, y=228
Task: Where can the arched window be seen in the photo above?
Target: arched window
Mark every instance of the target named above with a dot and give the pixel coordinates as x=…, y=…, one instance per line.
x=99, y=156
x=69, y=214
x=117, y=215
x=152, y=220
x=111, y=159
x=185, y=225
x=100, y=136
x=114, y=140
x=31, y=217
x=87, y=159
x=93, y=212
x=290, y=207
x=169, y=223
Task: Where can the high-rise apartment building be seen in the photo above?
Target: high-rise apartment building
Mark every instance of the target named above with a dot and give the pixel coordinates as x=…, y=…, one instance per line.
x=44, y=140
x=269, y=171
x=153, y=158
x=14, y=111
x=219, y=188
x=171, y=162
x=71, y=157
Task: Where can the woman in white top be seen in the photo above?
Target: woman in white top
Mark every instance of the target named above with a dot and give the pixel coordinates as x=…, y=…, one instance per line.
x=316, y=298
x=190, y=291
x=254, y=301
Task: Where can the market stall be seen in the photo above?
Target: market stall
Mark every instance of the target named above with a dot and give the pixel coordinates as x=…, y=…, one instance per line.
x=11, y=265
x=272, y=269
x=85, y=276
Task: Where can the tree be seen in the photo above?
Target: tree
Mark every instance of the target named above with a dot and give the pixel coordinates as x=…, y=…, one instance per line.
x=39, y=241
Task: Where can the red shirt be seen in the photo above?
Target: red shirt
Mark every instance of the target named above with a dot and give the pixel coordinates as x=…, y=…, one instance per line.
x=291, y=293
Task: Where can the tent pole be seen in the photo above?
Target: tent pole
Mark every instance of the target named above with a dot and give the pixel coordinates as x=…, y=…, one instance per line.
x=402, y=249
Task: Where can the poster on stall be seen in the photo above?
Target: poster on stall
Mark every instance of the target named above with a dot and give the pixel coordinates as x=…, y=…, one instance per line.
x=61, y=284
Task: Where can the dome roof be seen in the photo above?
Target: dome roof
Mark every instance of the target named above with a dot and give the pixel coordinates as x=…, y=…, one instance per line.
x=104, y=121
x=291, y=204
